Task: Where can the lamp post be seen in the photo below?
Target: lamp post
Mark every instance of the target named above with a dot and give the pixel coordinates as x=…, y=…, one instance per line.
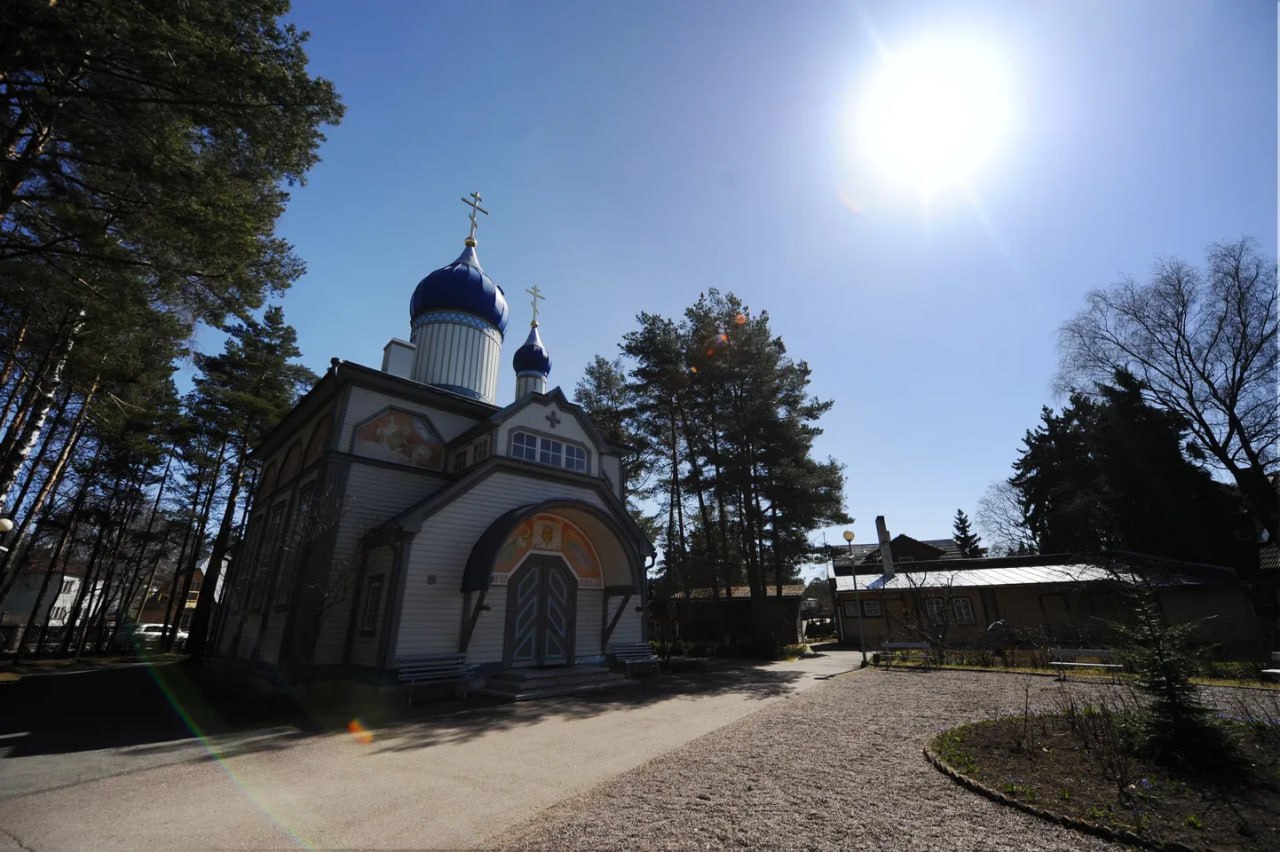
x=857, y=600
x=5, y=526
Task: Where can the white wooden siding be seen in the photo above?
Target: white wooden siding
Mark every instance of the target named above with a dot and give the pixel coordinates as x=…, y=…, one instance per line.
x=586, y=642
x=432, y=612
x=611, y=468
x=629, y=625
x=486, y=645
x=533, y=417
x=374, y=493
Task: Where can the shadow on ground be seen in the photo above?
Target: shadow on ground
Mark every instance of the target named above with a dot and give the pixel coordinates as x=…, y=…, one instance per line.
x=150, y=708
x=457, y=722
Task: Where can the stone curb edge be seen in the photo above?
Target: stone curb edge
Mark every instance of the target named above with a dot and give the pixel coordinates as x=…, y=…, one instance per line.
x=1117, y=835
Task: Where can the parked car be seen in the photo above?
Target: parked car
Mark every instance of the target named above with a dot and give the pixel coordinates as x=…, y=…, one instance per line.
x=144, y=638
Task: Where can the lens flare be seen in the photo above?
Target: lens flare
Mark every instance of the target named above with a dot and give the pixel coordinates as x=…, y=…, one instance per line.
x=362, y=735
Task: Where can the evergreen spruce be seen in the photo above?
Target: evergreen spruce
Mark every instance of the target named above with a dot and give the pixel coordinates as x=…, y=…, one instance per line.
x=970, y=544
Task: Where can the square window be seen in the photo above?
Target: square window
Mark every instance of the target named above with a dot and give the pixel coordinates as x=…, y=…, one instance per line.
x=552, y=452
x=372, y=603
x=850, y=609
x=575, y=458
x=524, y=446
x=963, y=610
x=871, y=609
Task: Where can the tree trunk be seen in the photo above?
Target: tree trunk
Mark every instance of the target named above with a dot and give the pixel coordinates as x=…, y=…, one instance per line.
x=21, y=447
x=51, y=483
x=198, y=633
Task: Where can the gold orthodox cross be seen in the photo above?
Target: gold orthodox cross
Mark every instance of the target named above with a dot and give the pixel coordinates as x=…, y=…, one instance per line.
x=536, y=294
x=474, y=205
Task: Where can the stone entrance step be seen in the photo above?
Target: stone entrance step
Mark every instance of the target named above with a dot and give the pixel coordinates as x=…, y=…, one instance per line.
x=527, y=684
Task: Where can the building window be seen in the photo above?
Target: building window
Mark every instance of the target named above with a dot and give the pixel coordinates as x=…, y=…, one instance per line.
x=524, y=446
x=871, y=609
x=460, y=460
x=850, y=609
x=963, y=610
x=67, y=586
x=372, y=603
x=480, y=450
x=552, y=453
x=548, y=451
x=937, y=609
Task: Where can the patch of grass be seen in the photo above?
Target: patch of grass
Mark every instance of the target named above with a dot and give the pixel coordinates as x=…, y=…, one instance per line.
x=1098, y=773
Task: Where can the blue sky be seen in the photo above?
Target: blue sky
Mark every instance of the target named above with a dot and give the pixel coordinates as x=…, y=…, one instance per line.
x=632, y=155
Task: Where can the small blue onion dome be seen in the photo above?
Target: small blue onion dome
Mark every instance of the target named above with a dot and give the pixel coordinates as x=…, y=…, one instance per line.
x=532, y=357
x=461, y=286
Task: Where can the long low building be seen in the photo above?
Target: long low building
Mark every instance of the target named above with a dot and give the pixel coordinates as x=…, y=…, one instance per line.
x=1049, y=599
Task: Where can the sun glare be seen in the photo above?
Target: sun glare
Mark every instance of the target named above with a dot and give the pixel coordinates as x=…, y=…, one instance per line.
x=935, y=112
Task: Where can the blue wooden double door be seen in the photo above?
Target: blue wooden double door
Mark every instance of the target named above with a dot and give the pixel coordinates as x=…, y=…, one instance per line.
x=542, y=605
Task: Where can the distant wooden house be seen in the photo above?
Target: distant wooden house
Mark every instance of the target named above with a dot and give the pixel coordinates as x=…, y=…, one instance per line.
x=1053, y=598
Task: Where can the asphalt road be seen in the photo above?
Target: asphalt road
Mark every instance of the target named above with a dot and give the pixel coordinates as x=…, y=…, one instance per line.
x=108, y=762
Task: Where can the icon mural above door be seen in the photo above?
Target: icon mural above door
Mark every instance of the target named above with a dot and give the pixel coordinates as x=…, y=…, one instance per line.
x=549, y=534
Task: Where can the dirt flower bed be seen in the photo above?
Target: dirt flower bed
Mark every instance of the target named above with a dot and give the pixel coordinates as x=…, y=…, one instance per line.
x=1050, y=764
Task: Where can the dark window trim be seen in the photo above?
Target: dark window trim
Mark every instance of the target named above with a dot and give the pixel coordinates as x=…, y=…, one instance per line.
x=368, y=605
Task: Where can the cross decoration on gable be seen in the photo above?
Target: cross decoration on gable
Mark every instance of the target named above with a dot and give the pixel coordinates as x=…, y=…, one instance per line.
x=553, y=417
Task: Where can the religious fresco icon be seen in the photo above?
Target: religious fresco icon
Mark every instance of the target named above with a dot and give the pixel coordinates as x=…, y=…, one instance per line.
x=399, y=437
x=549, y=534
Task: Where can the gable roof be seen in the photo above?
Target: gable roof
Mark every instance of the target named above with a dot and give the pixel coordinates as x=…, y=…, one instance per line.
x=412, y=518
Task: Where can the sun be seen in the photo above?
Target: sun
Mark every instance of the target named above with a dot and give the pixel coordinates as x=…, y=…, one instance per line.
x=935, y=112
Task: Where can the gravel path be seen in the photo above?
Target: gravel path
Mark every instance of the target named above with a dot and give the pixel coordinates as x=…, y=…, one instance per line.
x=836, y=767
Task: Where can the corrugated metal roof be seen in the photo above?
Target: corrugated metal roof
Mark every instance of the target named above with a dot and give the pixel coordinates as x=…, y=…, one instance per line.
x=1012, y=576
x=789, y=590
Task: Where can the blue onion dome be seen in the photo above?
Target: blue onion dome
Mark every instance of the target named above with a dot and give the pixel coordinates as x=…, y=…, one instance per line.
x=532, y=357
x=461, y=286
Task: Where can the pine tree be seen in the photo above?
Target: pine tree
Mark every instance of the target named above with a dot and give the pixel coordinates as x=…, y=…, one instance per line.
x=728, y=429
x=242, y=394
x=970, y=544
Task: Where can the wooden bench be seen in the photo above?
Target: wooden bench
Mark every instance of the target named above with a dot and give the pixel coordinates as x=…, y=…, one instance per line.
x=635, y=654
x=1273, y=673
x=888, y=649
x=1063, y=659
x=432, y=668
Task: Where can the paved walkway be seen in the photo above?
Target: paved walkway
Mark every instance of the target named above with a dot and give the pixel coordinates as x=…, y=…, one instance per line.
x=441, y=781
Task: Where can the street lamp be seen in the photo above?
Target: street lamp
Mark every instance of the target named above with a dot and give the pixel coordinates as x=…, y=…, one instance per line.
x=857, y=600
x=5, y=526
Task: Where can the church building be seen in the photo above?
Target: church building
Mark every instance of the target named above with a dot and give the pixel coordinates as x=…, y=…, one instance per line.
x=405, y=511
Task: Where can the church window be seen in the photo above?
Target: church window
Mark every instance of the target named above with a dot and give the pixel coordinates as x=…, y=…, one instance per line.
x=480, y=450
x=460, y=460
x=524, y=446
x=372, y=603
x=302, y=532
x=552, y=452
x=546, y=451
